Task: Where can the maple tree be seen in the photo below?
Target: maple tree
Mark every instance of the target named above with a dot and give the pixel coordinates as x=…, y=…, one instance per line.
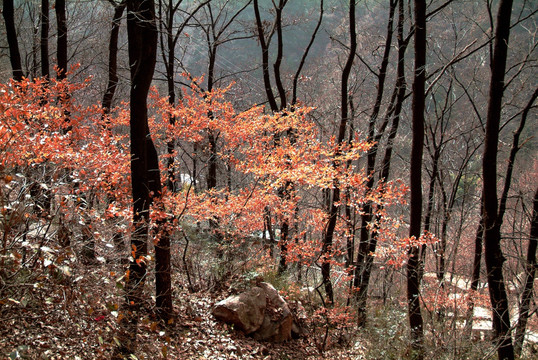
x=248, y=147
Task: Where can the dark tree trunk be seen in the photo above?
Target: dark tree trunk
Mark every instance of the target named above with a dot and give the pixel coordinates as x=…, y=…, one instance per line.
x=530, y=271
x=142, y=47
x=45, y=65
x=145, y=173
x=169, y=61
x=417, y=147
x=265, y=58
x=492, y=235
x=61, y=54
x=478, y=244
x=429, y=207
x=163, y=268
x=475, y=276
x=268, y=230
x=284, y=231
x=279, y=54
x=145, y=176
x=212, y=161
x=531, y=254
x=333, y=206
x=305, y=54
x=171, y=34
x=366, y=238
x=61, y=51
x=169, y=65
x=211, y=136
x=113, y=57
x=42, y=196
x=286, y=190
x=8, y=12
x=512, y=158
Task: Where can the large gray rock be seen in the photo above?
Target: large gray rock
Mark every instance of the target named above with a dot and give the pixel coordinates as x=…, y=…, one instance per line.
x=260, y=311
x=246, y=311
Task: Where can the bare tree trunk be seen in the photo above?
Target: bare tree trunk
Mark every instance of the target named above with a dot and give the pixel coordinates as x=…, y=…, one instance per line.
x=530, y=271
x=492, y=235
x=41, y=196
x=142, y=47
x=61, y=50
x=8, y=13
x=285, y=191
x=113, y=57
x=478, y=244
x=45, y=65
x=265, y=58
x=169, y=62
x=145, y=175
x=334, y=200
x=366, y=237
x=413, y=265
x=211, y=136
x=394, y=111
x=475, y=276
x=168, y=52
x=305, y=54
x=512, y=158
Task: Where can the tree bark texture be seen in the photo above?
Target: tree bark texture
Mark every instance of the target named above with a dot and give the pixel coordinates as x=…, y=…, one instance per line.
x=417, y=147
x=44, y=45
x=287, y=189
x=492, y=235
x=61, y=50
x=145, y=174
x=113, y=57
x=367, y=239
x=8, y=13
x=530, y=276
x=265, y=58
x=334, y=200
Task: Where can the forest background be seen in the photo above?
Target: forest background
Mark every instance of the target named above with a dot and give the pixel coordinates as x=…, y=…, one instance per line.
x=375, y=161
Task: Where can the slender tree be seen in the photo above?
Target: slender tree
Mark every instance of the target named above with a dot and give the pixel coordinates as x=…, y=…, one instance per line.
x=142, y=47
x=45, y=64
x=61, y=48
x=119, y=9
x=8, y=12
x=167, y=15
x=217, y=34
x=417, y=146
x=366, y=238
x=264, y=39
x=492, y=232
x=333, y=206
x=145, y=175
x=530, y=276
x=365, y=260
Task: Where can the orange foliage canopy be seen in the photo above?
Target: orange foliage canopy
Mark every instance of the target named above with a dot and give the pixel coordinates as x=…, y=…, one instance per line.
x=263, y=152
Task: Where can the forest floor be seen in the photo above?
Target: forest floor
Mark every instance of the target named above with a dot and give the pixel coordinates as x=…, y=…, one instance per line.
x=71, y=313
x=53, y=305
x=58, y=333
